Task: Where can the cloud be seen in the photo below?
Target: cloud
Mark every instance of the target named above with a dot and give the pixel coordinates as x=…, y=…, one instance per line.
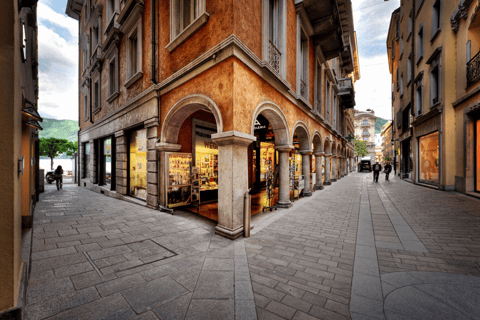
x=58, y=60
x=372, y=20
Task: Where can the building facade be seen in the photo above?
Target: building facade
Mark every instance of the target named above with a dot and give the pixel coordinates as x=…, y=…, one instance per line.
x=434, y=103
x=365, y=130
x=19, y=154
x=199, y=101
x=388, y=151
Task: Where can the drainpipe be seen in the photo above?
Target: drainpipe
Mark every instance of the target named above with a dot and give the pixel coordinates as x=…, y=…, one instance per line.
x=154, y=80
x=412, y=93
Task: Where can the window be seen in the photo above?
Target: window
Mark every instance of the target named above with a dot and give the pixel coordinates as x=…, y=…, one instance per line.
x=96, y=95
x=318, y=87
x=469, y=51
x=398, y=79
x=334, y=111
x=328, y=101
x=302, y=63
x=274, y=34
x=183, y=14
x=436, y=18
x=420, y=43
x=401, y=47
x=419, y=97
x=401, y=85
x=134, y=54
x=113, y=7
x=85, y=107
x=397, y=29
x=419, y=5
x=410, y=25
x=365, y=122
x=435, y=83
x=429, y=158
x=24, y=43
x=409, y=70
x=112, y=77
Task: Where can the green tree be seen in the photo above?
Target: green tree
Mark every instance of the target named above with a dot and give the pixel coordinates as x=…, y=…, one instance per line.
x=361, y=149
x=53, y=147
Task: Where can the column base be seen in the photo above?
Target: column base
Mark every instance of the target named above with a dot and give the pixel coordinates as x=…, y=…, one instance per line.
x=334, y=180
x=284, y=204
x=307, y=194
x=229, y=233
x=318, y=188
x=327, y=183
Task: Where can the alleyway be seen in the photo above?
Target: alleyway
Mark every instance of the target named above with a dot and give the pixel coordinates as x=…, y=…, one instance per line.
x=354, y=250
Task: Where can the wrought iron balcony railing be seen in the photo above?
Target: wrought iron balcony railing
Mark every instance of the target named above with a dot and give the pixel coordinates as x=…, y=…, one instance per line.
x=473, y=69
x=274, y=56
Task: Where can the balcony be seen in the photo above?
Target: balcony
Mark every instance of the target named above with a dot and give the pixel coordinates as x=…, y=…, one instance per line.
x=473, y=70
x=347, y=54
x=274, y=56
x=346, y=93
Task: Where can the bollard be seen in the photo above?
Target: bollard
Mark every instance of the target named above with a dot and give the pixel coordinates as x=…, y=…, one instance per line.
x=247, y=214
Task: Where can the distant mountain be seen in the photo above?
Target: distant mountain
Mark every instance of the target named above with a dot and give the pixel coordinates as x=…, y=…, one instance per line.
x=379, y=124
x=62, y=129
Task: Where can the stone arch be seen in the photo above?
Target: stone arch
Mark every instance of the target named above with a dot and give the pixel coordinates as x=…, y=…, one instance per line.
x=327, y=146
x=339, y=149
x=317, y=142
x=277, y=120
x=303, y=135
x=334, y=148
x=182, y=110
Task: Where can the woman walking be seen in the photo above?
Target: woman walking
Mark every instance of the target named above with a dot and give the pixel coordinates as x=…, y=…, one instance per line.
x=388, y=169
x=59, y=177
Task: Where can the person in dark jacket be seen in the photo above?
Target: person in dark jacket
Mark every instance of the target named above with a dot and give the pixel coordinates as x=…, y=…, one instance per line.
x=59, y=177
x=388, y=169
x=377, y=167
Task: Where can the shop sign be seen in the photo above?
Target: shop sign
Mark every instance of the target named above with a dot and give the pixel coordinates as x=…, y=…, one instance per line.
x=259, y=126
x=204, y=142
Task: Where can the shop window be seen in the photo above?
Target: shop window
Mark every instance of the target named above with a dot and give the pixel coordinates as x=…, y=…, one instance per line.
x=273, y=37
x=106, y=165
x=86, y=161
x=436, y=18
x=420, y=43
x=435, y=83
x=302, y=63
x=138, y=163
x=429, y=158
x=134, y=54
x=318, y=87
x=206, y=157
x=477, y=156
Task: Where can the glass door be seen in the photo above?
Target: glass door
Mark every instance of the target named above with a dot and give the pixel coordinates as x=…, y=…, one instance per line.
x=107, y=162
x=138, y=163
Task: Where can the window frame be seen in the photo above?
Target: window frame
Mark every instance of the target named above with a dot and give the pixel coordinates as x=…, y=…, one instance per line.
x=420, y=40
x=436, y=67
x=436, y=17
x=419, y=94
x=303, y=48
x=280, y=41
x=112, y=94
x=318, y=86
x=134, y=75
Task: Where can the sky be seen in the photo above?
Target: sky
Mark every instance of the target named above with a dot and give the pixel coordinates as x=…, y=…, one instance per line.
x=58, y=58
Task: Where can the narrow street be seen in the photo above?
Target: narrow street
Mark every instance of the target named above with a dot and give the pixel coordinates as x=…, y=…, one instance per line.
x=355, y=250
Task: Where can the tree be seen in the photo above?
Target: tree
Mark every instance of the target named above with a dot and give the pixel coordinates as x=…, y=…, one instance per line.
x=53, y=147
x=361, y=149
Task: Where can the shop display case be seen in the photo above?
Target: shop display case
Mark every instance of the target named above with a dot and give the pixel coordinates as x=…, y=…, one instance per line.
x=208, y=171
x=179, y=186
x=267, y=154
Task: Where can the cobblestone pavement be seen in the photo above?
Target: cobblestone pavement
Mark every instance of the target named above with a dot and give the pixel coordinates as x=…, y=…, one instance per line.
x=356, y=250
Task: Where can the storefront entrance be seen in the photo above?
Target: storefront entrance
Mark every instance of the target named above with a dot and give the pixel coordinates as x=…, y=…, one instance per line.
x=429, y=158
x=107, y=163
x=137, y=164
x=477, y=156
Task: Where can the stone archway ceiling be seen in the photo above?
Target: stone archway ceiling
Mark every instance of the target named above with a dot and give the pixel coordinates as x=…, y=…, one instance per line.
x=327, y=29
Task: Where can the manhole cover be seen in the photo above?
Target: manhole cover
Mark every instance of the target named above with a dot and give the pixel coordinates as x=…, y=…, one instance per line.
x=126, y=256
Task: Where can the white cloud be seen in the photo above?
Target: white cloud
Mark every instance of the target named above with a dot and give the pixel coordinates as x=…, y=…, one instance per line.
x=58, y=70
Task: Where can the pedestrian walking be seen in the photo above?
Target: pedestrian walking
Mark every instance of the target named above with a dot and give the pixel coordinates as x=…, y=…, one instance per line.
x=59, y=177
x=376, y=171
x=388, y=169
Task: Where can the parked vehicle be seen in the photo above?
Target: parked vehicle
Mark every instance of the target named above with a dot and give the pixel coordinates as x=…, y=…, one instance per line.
x=365, y=165
x=50, y=177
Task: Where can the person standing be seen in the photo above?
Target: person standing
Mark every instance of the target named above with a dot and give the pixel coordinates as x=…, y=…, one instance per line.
x=388, y=169
x=59, y=177
x=376, y=171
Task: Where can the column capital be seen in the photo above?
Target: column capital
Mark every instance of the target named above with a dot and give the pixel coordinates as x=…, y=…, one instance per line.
x=167, y=147
x=306, y=152
x=153, y=122
x=233, y=137
x=328, y=155
x=284, y=148
x=119, y=133
x=319, y=154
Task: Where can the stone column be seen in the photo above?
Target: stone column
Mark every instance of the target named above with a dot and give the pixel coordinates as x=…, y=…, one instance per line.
x=306, y=172
x=284, y=177
x=334, y=168
x=162, y=148
x=328, y=157
x=342, y=167
x=121, y=162
x=318, y=169
x=152, y=167
x=232, y=181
